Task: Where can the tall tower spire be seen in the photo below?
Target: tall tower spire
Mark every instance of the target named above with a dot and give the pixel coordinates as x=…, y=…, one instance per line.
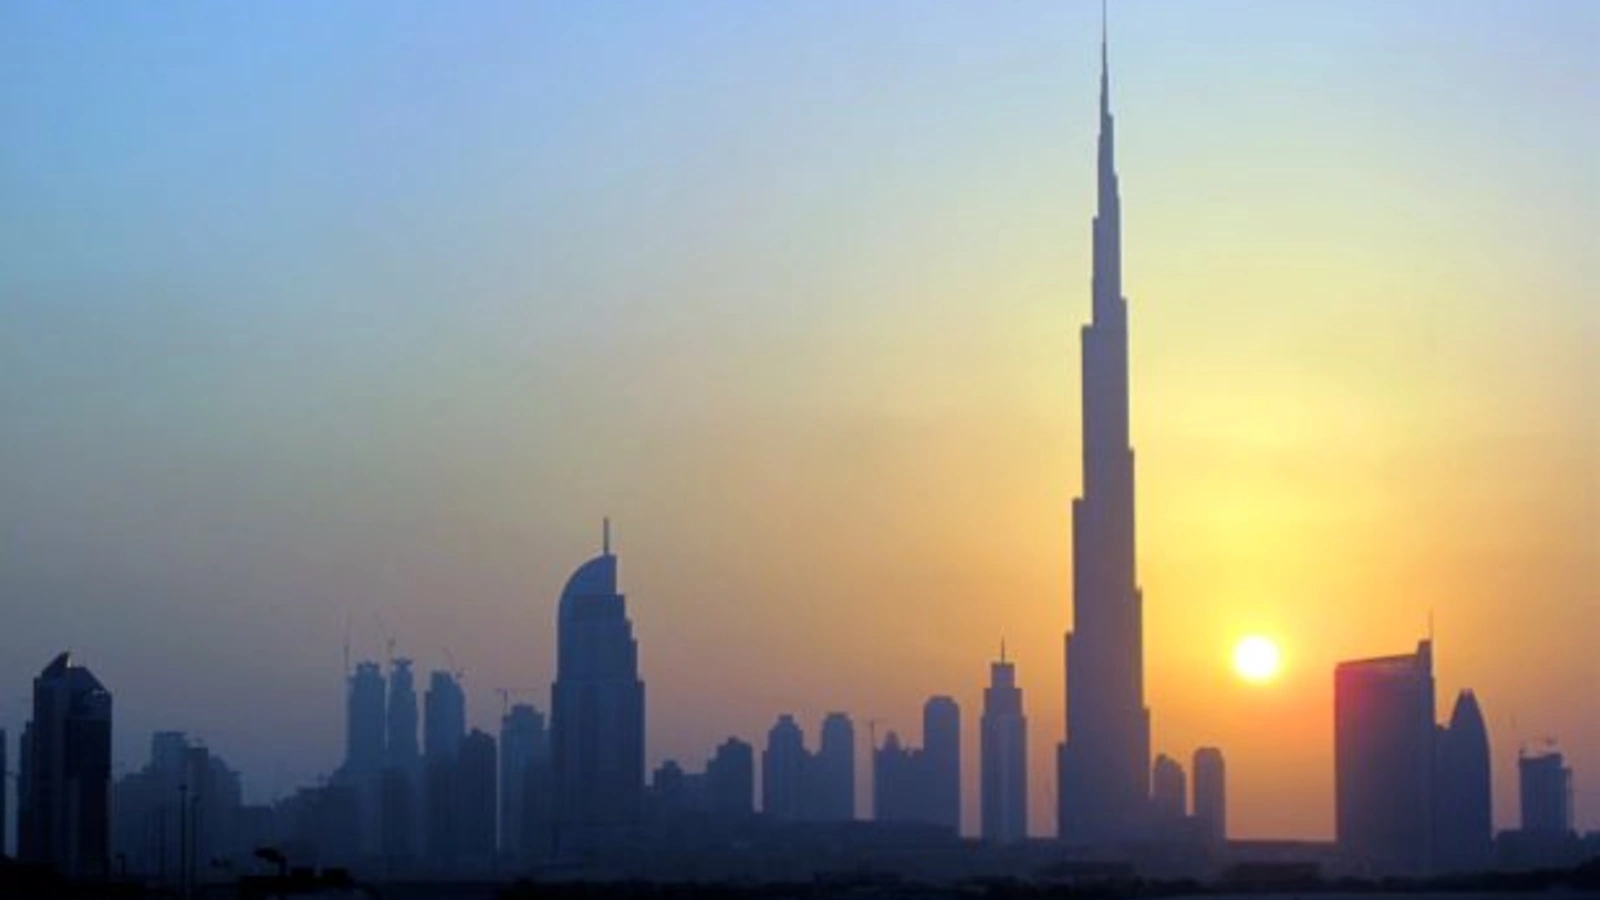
x=1103, y=766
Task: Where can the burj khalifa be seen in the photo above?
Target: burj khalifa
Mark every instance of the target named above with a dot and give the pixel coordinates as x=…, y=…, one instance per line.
x=1103, y=766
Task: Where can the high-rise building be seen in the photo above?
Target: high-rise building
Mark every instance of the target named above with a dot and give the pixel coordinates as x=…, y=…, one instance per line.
x=1003, y=756
x=5, y=810
x=1383, y=758
x=1463, y=830
x=597, y=702
x=1104, y=764
x=898, y=786
x=1169, y=790
x=474, y=814
x=444, y=727
x=731, y=779
x=1211, y=795
x=941, y=754
x=784, y=771
x=445, y=716
x=401, y=750
x=364, y=721
x=1545, y=786
x=833, y=793
x=66, y=777
x=524, y=753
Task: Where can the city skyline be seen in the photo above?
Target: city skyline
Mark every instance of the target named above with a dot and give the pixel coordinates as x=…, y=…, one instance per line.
x=428, y=520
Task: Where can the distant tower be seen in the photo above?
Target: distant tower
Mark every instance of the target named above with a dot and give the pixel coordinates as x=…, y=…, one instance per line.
x=834, y=768
x=4, y=809
x=444, y=727
x=401, y=750
x=446, y=720
x=1383, y=759
x=898, y=792
x=1004, y=756
x=1545, y=785
x=524, y=754
x=941, y=755
x=784, y=767
x=597, y=702
x=1169, y=790
x=1463, y=806
x=66, y=784
x=364, y=721
x=1103, y=767
x=1211, y=795
x=731, y=780
x=475, y=800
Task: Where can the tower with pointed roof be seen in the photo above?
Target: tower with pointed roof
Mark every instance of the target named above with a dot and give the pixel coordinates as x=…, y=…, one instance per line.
x=596, y=704
x=1104, y=764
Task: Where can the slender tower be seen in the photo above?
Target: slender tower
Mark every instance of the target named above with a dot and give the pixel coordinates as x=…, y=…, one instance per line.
x=1104, y=765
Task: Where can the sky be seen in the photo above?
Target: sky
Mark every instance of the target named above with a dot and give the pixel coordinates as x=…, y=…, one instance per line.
x=352, y=321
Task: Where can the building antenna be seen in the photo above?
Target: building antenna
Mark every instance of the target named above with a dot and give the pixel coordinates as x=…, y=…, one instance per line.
x=347, y=644
x=605, y=536
x=1002, y=651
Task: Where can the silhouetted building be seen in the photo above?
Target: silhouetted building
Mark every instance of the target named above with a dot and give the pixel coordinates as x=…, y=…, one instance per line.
x=445, y=723
x=178, y=816
x=1463, y=831
x=1383, y=758
x=1211, y=795
x=1003, y=756
x=1104, y=765
x=475, y=796
x=1169, y=790
x=1545, y=786
x=364, y=721
x=597, y=702
x=784, y=771
x=524, y=783
x=833, y=793
x=444, y=727
x=941, y=751
x=66, y=778
x=898, y=785
x=730, y=780
x=5, y=809
x=401, y=750
x=400, y=787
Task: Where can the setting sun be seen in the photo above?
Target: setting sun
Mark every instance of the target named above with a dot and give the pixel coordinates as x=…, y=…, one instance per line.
x=1256, y=659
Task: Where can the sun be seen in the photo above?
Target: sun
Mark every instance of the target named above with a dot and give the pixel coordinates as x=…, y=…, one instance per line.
x=1256, y=659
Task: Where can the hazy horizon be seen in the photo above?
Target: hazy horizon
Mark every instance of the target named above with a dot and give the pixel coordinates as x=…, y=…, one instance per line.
x=368, y=316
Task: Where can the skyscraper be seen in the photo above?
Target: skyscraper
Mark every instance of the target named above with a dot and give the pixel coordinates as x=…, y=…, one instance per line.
x=444, y=726
x=1104, y=764
x=5, y=810
x=898, y=790
x=597, y=702
x=1211, y=794
x=784, y=766
x=833, y=793
x=445, y=716
x=731, y=780
x=1463, y=831
x=1545, y=788
x=400, y=749
x=524, y=755
x=364, y=721
x=1004, y=756
x=941, y=755
x=1383, y=759
x=474, y=800
x=65, y=808
x=1169, y=790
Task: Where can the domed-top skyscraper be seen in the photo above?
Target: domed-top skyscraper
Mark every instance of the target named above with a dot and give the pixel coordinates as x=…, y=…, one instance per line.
x=596, y=703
